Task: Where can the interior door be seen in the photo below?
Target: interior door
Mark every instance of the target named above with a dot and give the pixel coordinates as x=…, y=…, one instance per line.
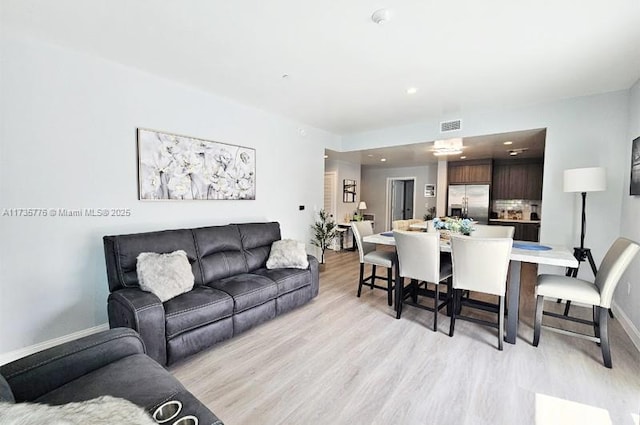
x=397, y=200
x=408, y=200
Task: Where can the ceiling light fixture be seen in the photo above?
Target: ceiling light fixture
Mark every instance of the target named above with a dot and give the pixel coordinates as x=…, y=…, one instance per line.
x=514, y=152
x=383, y=159
x=463, y=157
x=326, y=156
x=508, y=142
x=447, y=147
x=412, y=90
x=380, y=16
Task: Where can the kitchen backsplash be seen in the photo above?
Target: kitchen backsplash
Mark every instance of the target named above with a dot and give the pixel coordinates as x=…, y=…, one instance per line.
x=515, y=209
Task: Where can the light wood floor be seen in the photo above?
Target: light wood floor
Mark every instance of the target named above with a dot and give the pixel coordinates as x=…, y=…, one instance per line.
x=346, y=360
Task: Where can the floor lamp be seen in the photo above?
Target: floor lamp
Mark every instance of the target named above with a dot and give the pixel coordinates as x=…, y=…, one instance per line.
x=583, y=180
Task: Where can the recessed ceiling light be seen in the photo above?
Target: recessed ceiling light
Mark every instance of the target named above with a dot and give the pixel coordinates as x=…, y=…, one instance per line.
x=463, y=157
x=509, y=142
x=383, y=159
x=412, y=90
x=513, y=153
x=326, y=156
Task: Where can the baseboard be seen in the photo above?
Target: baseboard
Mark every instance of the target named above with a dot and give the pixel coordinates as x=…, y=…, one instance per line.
x=627, y=325
x=23, y=352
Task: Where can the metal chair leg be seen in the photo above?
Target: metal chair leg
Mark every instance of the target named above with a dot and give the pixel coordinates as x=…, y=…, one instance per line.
x=603, y=314
x=596, y=327
x=538, y=320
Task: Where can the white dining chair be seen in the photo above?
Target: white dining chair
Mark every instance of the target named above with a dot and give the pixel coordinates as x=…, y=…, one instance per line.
x=369, y=255
x=487, y=231
x=480, y=265
x=598, y=295
x=419, y=259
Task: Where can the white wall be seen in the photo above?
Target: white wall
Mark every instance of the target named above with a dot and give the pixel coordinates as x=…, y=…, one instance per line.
x=581, y=132
x=349, y=171
x=374, y=190
x=68, y=140
x=629, y=227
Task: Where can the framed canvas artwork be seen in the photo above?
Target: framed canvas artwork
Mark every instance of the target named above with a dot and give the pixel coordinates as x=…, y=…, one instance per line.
x=174, y=167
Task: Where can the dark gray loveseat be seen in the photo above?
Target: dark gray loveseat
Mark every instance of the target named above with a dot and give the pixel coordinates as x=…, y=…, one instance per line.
x=107, y=363
x=233, y=290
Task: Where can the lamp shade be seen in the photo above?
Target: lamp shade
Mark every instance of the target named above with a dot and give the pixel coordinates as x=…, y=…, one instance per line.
x=591, y=179
x=362, y=205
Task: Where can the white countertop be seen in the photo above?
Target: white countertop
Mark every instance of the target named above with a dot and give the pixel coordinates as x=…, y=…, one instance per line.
x=508, y=220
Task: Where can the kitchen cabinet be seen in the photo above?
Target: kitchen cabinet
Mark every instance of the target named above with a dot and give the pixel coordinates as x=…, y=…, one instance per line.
x=517, y=179
x=466, y=172
x=523, y=231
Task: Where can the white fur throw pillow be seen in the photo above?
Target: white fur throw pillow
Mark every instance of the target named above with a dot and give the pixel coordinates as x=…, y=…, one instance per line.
x=165, y=275
x=104, y=410
x=288, y=254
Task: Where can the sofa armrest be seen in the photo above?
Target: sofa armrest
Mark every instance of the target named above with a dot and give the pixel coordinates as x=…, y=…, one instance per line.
x=315, y=275
x=143, y=312
x=37, y=374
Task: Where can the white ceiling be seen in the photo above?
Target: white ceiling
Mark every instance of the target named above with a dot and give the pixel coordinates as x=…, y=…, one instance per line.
x=347, y=74
x=529, y=143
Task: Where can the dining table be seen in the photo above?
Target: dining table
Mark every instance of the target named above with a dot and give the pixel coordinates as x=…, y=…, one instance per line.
x=521, y=252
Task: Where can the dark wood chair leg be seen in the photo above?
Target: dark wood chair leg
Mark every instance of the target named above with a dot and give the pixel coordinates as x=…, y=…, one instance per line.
x=389, y=287
x=596, y=319
x=454, y=309
x=603, y=315
x=399, y=295
x=373, y=276
x=435, y=308
x=414, y=290
x=538, y=320
x=501, y=323
x=361, y=281
x=567, y=306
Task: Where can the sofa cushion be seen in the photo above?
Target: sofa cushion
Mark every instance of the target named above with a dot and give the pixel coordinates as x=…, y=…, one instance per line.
x=122, y=252
x=287, y=280
x=220, y=252
x=5, y=391
x=247, y=290
x=198, y=307
x=256, y=242
x=287, y=253
x=165, y=275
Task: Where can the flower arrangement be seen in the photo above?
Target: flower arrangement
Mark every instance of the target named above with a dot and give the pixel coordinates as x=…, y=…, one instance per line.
x=454, y=225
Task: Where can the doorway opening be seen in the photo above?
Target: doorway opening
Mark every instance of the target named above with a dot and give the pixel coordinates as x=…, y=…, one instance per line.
x=400, y=199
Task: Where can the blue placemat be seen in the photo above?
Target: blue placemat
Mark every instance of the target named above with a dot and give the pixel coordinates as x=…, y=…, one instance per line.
x=387, y=233
x=531, y=247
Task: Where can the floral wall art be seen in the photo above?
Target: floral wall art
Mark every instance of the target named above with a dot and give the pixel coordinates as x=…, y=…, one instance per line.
x=184, y=168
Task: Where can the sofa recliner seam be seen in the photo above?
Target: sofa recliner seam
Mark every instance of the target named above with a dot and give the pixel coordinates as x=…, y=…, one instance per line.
x=190, y=328
x=178, y=313
x=66, y=354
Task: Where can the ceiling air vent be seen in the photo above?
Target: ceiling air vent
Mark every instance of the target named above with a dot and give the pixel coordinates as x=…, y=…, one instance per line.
x=454, y=125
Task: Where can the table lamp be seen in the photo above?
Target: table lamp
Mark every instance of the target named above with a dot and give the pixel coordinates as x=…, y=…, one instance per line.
x=361, y=206
x=584, y=180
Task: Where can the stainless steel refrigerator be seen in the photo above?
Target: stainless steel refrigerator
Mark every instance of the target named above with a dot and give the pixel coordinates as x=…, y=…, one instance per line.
x=469, y=201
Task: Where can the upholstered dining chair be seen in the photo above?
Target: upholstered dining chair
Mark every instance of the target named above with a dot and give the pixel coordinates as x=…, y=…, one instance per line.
x=597, y=294
x=480, y=265
x=369, y=255
x=486, y=231
x=419, y=260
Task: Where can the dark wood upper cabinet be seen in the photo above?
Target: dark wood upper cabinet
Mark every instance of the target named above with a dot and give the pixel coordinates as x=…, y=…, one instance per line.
x=467, y=172
x=517, y=179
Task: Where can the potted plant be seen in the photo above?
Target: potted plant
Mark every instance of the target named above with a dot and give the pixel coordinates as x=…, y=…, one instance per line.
x=324, y=232
x=430, y=215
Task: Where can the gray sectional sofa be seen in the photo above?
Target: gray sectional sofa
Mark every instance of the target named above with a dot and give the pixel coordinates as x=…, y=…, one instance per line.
x=233, y=289
x=107, y=363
